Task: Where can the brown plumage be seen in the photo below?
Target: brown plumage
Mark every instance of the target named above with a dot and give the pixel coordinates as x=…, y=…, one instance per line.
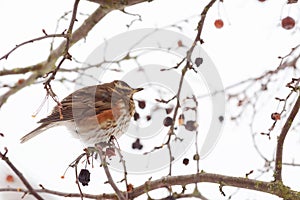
x=93, y=113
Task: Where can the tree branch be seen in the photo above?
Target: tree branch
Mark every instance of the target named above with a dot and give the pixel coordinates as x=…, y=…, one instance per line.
x=49, y=64
x=22, y=70
x=120, y=195
x=31, y=41
x=274, y=188
x=284, y=131
x=20, y=175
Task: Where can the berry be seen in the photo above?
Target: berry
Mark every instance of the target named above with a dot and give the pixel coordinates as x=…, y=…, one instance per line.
x=179, y=43
x=275, y=116
x=169, y=110
x=185, y=161
x=221, y=118
x=198, y=61
x=9, y=178
x=142, y=104
x=191, y=125
x=168, y=121
x=84, y=177
x=137, y=144
x=288, y=23
x=219, y=23
x=136, y=116
x=148, y=117
x=129, y=187
x=21, y=81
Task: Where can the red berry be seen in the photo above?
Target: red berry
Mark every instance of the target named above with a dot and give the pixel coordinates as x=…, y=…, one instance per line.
x=21, y=81
x=179, y=43
x=275, y=116
x=288, y=23
x=129, y=187
x=9, y=178
x=219, y=23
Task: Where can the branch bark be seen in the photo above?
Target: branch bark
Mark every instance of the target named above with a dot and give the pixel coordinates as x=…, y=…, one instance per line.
x=280, y=142
x=274, y=188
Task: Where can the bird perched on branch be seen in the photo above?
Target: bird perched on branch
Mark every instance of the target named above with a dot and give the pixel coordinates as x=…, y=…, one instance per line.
x=94, y=113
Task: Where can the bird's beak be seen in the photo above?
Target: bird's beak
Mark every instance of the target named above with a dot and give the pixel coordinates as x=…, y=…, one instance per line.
x=137, y=90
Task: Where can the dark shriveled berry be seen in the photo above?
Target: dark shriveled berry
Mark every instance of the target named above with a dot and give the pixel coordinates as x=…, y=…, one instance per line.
x=136, y=116
x=168, y=121
x=198, y=61
x=148, y=117
x=142, y=104
x=84, y=177
x=185, y=161
x=221, y=118
x=137, y=144
x=169, y=110
x=191, y=125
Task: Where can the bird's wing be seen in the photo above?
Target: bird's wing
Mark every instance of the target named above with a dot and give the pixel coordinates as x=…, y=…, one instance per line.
x=84, y=102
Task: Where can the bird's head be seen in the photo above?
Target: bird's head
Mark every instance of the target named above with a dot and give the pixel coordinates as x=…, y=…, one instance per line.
x=123, y=88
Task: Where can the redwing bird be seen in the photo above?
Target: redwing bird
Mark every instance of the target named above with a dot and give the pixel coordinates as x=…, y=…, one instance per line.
x=93, y=113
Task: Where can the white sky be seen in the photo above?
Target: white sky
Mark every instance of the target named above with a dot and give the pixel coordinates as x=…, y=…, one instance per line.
x=248, y=45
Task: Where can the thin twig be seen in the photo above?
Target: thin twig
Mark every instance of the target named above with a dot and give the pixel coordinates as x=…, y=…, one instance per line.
x=118, y=149
x=108, y=174
x=77, y=181
x=31, y=41
x=66, y=56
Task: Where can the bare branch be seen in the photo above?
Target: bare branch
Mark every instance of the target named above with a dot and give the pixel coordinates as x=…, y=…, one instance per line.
x=268, y=187
x=283, y=134
x=31, y=41
x=49, y=64
x=22, y=70
x=104, y=164
x=20, y=175
x=275, y=188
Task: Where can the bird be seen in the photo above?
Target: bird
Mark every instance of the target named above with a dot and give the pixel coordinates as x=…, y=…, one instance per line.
x=94, y=114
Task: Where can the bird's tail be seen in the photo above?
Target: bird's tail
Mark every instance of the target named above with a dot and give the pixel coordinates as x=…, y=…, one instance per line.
x=36, y=132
